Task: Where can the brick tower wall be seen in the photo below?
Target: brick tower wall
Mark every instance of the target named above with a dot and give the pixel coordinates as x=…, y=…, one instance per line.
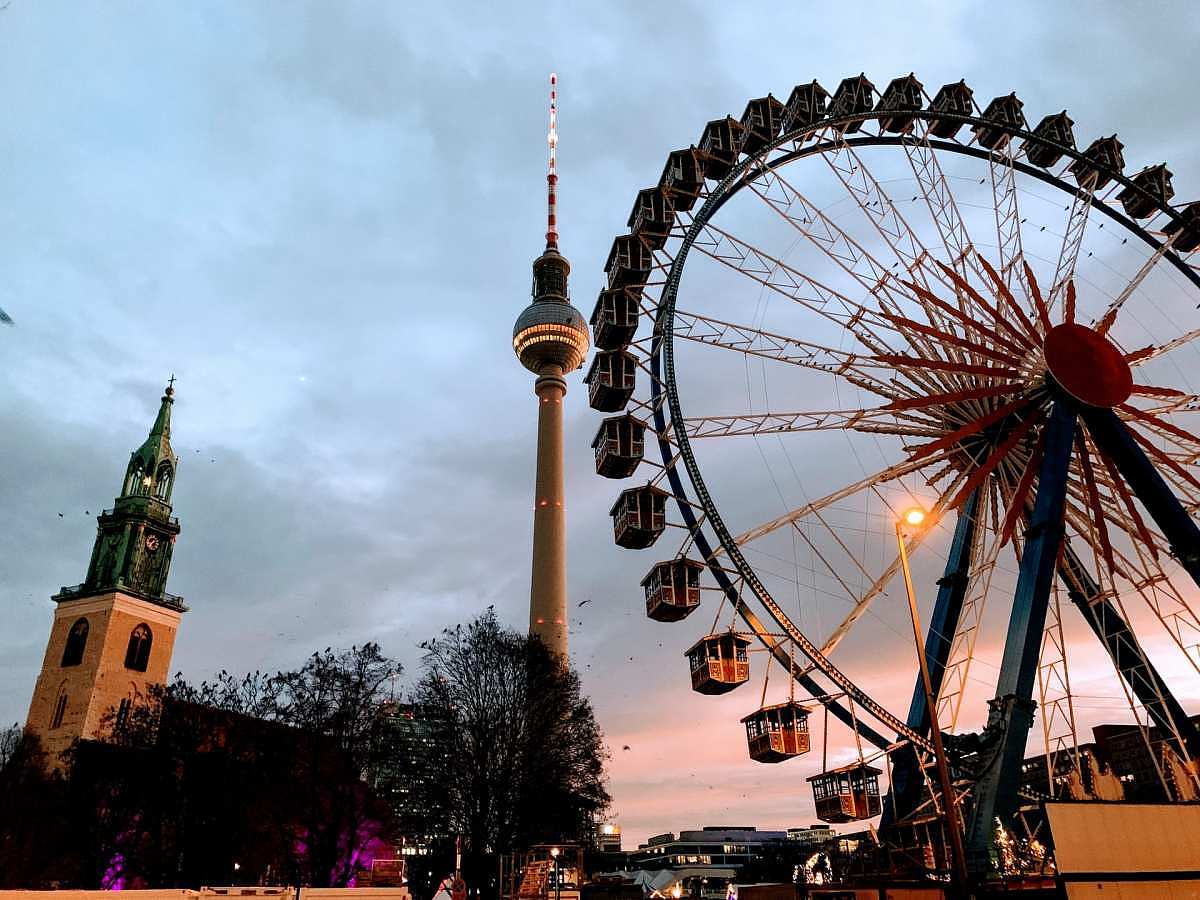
x=100, y=681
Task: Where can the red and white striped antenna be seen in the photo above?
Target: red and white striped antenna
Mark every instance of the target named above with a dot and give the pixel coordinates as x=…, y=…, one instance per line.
x=552, y=171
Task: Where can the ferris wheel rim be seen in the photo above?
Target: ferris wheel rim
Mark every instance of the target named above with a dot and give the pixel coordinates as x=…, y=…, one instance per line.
x=662, y=346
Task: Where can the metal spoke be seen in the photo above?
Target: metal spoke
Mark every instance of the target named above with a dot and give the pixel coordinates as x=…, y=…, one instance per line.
x=1008, y=216
x=806, y=354
x=868, y=420
x=1068, y=255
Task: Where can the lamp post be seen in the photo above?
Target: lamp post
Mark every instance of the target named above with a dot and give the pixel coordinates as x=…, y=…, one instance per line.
x=554, y=851
x=914, y=518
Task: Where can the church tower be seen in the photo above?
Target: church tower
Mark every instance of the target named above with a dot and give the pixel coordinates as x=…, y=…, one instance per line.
x=113, y=635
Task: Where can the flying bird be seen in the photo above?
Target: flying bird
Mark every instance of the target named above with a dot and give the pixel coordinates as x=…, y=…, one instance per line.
x=582, y=602
x=626, y=747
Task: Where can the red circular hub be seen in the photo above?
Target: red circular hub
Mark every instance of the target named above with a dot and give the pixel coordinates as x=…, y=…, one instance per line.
x=1087, y=365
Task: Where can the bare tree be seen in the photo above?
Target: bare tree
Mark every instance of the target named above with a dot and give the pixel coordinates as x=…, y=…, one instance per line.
x=525, y=757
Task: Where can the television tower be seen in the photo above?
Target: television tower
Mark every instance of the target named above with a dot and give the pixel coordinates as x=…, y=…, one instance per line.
x=551, y=339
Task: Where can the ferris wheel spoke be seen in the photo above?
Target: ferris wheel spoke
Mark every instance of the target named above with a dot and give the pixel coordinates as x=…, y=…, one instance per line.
x=1008, y=214
x=1026, y=340
x=939, y=197
x=947, y=337
x=1153, y=352
x=1006, y=295
x=1118, y=486
x=868, y=420
x=997, y=456
x=969, y=323
x=1021, y=404
x=814, y=225
x=881, y=477
x=1105, y=322
x=864, y=188
x=1018, y=502
x=1068, y=254
x=1099, y=519
x=776, y=275
x=863, y=602
x=756, y=342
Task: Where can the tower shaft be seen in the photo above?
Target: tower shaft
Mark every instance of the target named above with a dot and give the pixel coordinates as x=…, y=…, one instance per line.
x=548, y=590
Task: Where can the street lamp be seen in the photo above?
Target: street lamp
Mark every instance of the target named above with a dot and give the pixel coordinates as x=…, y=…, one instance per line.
x=554, y=851
x=916, y=518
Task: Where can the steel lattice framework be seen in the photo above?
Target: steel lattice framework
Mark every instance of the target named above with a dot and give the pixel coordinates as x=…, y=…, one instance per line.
x=999, y=378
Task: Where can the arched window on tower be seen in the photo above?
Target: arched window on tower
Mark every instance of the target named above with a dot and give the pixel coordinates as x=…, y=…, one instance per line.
x=133, y=481
x=162, y=485
x=137, y=655
x=76, y=642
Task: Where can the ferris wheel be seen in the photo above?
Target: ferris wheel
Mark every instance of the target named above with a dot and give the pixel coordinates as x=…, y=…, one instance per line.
x=846, y=305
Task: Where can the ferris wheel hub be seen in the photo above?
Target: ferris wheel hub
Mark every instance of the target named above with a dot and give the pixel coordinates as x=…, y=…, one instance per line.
x=1087, y=365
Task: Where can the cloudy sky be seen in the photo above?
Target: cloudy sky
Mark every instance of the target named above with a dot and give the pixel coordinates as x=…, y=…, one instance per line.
x=321, y=216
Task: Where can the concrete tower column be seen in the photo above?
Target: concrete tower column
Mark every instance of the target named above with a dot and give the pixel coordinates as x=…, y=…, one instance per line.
x=548, y=591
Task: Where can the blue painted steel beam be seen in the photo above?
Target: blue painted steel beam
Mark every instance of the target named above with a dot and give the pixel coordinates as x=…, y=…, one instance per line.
x=1128, y=657
x=1113, y=437
x=1011, y=711
x=907, y=787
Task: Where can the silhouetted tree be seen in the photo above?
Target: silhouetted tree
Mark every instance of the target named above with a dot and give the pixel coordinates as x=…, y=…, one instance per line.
x=34, y=820
x=525, y=757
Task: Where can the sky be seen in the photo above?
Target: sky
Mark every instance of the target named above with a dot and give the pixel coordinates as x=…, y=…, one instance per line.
x=320, y=217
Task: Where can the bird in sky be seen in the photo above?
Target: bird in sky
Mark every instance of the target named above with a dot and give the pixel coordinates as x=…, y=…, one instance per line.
x=582, y=602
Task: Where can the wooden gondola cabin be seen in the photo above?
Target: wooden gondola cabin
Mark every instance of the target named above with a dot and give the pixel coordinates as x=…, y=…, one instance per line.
x=955, y=100
x=1055, y=133
x=682, y=178
x=719, y=147
x=629, y=262
x=853, y=96
x=778, y=732
x=901, y=98
x=719, y=663
x=1155, y=181
x=615, y=318
x=611, y=379
x=1001, y=115
x=619, y=446
x=847, y=794
x=639, y=516
x=672, y=589
x=652, y=216
x=1103, y=155
x=1188, y=228
x=806, y=106
x=761, y=123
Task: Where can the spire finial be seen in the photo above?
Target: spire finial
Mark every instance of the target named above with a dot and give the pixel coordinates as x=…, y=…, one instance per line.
x=171, y=385
x=552, y=170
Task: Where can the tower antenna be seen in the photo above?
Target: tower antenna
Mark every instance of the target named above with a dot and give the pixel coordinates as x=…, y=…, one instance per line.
x=552, y=170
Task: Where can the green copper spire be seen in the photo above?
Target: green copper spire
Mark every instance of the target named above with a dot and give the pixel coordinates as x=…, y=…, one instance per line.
x=135, y=538
x=151, y=471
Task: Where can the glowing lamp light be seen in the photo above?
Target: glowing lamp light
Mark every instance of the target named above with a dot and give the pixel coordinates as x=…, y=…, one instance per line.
x=914, y=516
x=554, y=852
x=677, y=892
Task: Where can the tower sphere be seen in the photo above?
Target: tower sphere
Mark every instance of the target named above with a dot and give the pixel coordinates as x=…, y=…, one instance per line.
x=550, y=333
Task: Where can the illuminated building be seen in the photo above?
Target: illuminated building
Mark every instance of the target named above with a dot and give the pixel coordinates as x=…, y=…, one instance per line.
x=406, y=775
x=714, y=846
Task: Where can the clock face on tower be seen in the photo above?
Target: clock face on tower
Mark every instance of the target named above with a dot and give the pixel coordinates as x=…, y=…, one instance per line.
x=152, y=542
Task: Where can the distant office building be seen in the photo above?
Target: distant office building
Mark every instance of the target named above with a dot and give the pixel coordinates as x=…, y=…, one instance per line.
x=718, y=847
x=1137, y=755
x=608, y=837
x=811, y=834
x=406, y=775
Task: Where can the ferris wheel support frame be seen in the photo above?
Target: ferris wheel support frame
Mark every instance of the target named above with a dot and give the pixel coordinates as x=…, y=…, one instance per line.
x=1011, y=711
x=1127, y=655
